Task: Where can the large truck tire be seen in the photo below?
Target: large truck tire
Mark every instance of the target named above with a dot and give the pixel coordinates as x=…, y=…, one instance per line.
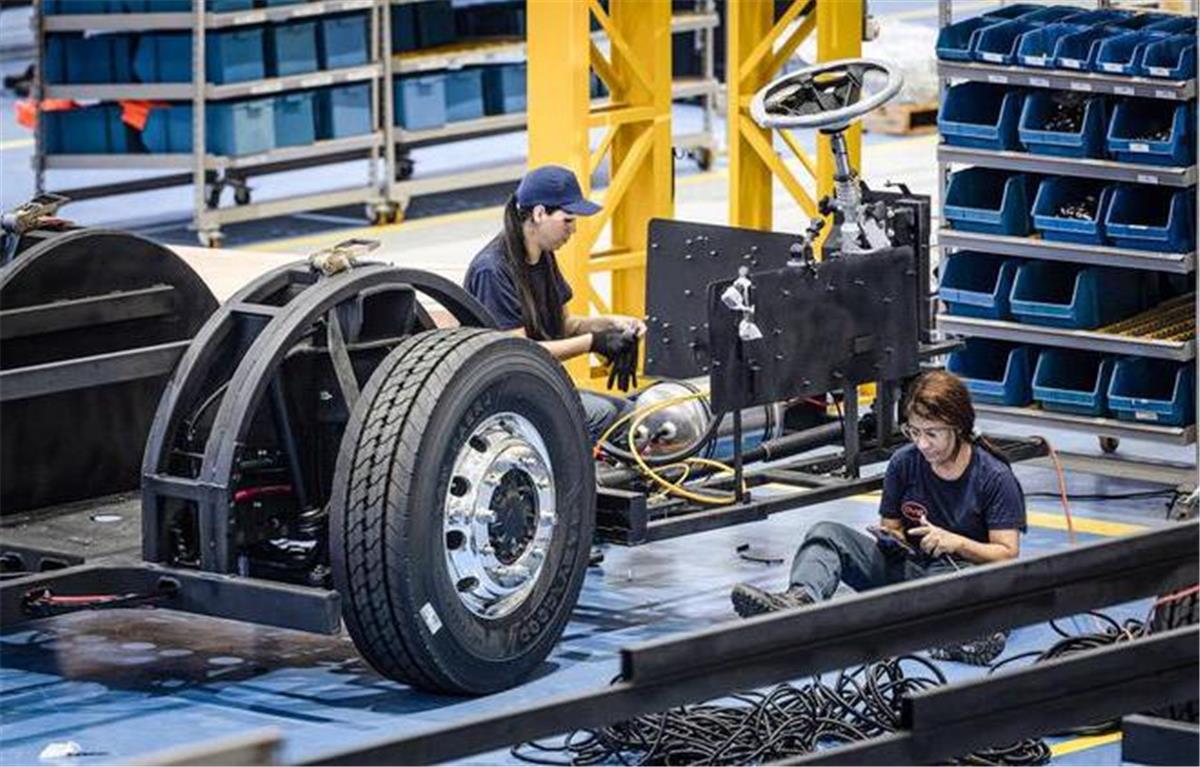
x=1172, y=614
x=463, y=511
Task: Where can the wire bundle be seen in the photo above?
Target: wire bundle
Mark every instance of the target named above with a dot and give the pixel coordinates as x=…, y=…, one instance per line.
x=785, y=721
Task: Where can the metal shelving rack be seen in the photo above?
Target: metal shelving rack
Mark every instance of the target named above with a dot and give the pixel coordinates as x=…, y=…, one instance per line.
x=702, y=144
x=210, y=172
x=1035, y=248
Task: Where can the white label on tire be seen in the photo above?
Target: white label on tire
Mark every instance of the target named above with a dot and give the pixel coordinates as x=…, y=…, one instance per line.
x=430, y=616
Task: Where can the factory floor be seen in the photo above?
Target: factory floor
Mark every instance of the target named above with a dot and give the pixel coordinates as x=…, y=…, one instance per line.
x=126, y=683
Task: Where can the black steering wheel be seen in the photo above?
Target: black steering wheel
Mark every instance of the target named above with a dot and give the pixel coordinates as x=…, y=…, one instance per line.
x=829, y=95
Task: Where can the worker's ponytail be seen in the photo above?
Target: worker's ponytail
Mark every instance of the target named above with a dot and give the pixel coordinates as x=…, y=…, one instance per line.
x=518, y=268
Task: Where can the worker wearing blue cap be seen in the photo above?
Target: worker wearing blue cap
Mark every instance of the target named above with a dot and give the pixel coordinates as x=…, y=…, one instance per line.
x=517, y=278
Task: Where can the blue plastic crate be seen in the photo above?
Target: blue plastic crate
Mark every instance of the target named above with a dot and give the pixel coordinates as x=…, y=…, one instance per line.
x=223, y=6
x=464, y=94
x=1148, y=218
x=295, y=119
x=1072, y=381
x=1174, y=25
x=98, y=59
x=977, y=284
x=270, y=3
x=94, y=129
x=343, y=111
x=1079, y=50
x=1056, y=191
x=344, y=41
x=235, y=56
x=1088, y=141
x=1139, y=21
x=956, y=42
x=988, y=201
x=980, y=115
x=168, y=130
x=504, y=89
x=1014, y=11
x=1172, y=58
x=1154, y=391
x=58, y=7
x=1132, y=120
x=240, y=127
x=419, y=101
x=1101, y=17
x=1036, y=48
x=163, y=57
x=54, y=58
x=1073, y=295
x=1122, y=54
x=998, y=44
x=434, y=23
x=404, y=28
x=995, y=372
x=291, y=48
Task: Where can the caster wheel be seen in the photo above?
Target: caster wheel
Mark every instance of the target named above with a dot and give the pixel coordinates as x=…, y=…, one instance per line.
x=1109, y=445
x=213, y=197
x=379, y=215
x=404, y=168
x=241, y=195
x=704, y=158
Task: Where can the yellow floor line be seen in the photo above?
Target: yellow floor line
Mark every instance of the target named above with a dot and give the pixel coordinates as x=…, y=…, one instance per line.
x=1083, y=743
x=15, y=143
x=1082, y=524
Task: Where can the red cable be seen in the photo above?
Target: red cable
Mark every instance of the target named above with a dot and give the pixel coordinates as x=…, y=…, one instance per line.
x=250, y=493
x=1062, y=488
x=1182, y=594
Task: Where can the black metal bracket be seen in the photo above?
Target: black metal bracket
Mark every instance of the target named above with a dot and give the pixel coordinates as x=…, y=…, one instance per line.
x=1154, y=740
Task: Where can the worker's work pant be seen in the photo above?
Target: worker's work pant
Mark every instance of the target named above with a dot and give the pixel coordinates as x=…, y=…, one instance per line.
x=833, y=552
x=601, y=410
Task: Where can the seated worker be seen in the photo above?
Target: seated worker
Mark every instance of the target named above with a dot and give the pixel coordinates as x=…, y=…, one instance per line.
x=516, y=277
x=949, y=499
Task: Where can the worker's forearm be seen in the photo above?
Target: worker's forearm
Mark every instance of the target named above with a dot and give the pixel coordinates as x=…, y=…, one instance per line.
x=980, y=553
x=567, y=348
x=577, y=325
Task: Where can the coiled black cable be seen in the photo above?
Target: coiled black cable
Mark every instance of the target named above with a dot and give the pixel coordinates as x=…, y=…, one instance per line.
x=757, y=727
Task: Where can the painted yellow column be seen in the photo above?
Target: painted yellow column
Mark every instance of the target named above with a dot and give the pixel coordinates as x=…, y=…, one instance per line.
x=747, y=23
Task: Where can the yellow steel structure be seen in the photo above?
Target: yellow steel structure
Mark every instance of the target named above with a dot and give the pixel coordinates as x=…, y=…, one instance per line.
x=634, y=135
x=758, y=46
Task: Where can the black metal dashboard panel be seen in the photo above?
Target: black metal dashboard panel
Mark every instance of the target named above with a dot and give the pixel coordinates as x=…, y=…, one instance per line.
x=836, y=323
x=684, y=258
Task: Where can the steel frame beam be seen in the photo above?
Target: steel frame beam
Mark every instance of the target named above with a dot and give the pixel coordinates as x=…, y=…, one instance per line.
x=1153, y=740
x=798, y=643
x=636, y=140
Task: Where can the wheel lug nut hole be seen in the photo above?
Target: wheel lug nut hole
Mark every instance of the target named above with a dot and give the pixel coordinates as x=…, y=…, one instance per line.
x=460, y=486
x=478, y=444
x=455, y=539
x=467, y=584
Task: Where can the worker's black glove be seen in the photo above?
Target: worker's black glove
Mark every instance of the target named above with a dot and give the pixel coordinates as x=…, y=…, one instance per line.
x=624, y=367
x=610, y=342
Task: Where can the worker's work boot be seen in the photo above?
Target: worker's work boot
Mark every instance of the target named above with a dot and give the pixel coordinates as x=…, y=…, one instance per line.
x=749, y=601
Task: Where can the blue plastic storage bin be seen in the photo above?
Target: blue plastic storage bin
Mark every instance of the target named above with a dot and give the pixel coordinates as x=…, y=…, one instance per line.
x=504, y=89
x=1073, y=295
x=1056, y=191
x=1101, y=17
x=1149, y=218
x=988, y=201
x=995, y=372
x=1036, y=48
x=54, y=58
x=85, y=130
x=1174, y=25
x=223, y=6
x=434, y=23
x=344, y=110
x=998, y=44
x=464, y=94
x=1014, y=11
x=1088, y=141
x=1122, y=54
x=956, y=42
x=1078, y=50
x=404, y=28
x=98, y=59
x=57, y=7
x=419, y=101
x=291, y=48
x=240, y=127
x=163, y=57
x=1134, y=119
x=344, y=41
x=1072, y=381
x=1153, y=391
x=235, y=56
x=1172, y=58
x=295, y=119
x=980, y=115
x=168, y=130
x=977, y=284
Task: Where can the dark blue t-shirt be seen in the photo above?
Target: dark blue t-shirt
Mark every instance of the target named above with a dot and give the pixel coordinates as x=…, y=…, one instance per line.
x=986, y=497
x=491, y=283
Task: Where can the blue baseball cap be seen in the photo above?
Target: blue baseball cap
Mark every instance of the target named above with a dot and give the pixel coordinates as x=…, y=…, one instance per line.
x=555, y=187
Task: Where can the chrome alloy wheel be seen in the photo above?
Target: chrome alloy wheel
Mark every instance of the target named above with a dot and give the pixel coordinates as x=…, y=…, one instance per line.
x=499, y=515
